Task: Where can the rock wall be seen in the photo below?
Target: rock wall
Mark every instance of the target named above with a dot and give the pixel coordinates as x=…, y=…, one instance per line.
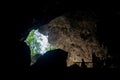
x=75, y=34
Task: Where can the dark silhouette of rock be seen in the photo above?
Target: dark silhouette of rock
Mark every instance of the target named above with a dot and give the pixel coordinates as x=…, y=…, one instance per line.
x=51, y=61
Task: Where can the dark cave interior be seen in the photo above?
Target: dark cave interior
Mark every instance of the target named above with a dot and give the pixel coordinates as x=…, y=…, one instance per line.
x=29, y=17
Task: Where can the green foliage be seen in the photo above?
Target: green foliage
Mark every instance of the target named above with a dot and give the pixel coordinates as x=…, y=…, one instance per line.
x=35, y=46
x=30, y=38
x=32, y=43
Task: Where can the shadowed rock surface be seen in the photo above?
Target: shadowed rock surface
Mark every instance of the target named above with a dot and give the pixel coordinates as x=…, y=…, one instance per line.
x=75, y=33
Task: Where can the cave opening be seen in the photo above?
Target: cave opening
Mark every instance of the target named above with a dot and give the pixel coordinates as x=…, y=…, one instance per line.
x=38, y=44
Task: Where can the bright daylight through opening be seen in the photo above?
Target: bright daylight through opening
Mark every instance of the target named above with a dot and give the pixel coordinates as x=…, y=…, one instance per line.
x=38, y=43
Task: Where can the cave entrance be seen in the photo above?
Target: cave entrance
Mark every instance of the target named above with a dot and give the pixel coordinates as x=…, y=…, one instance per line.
x=38, y=44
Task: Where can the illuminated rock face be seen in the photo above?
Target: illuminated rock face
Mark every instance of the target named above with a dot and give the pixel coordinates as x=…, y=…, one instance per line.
x=76, y=36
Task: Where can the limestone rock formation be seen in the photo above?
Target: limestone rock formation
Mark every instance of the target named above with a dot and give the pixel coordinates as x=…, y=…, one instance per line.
x=76, y=34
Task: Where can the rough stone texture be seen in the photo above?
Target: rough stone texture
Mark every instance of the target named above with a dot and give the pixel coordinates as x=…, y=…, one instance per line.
x=75, y=34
